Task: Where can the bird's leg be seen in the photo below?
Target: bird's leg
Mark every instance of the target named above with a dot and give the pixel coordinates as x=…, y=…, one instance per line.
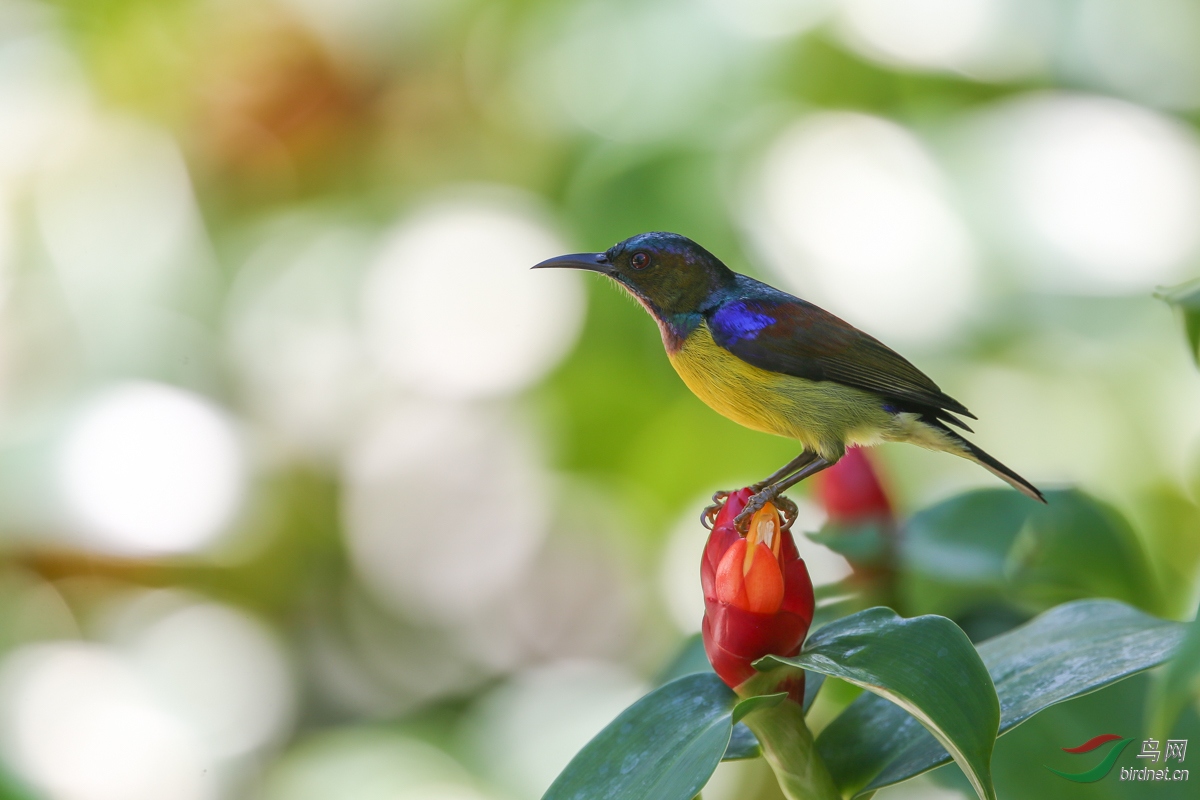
x=796, y=463
x=708, y=516
x=786, y=506
x=772, y=492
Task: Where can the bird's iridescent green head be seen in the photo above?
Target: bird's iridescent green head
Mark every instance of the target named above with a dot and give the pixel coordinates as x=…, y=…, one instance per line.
x=670, y=274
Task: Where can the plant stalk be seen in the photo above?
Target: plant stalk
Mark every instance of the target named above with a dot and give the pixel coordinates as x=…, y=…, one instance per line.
x=788, y=747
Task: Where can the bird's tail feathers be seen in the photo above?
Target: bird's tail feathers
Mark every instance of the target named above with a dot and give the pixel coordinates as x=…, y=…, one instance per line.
x=983, y=459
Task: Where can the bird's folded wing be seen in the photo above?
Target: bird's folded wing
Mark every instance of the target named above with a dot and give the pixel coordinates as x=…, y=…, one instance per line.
x=795, y=337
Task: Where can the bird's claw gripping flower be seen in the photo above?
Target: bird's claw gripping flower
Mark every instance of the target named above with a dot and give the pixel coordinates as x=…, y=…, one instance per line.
x=758, y=598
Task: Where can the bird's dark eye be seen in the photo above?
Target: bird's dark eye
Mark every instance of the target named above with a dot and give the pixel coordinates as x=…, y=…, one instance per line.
x=639, y=261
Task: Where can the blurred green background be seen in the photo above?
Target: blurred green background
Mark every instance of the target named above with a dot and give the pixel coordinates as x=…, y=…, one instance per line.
x=310, y=489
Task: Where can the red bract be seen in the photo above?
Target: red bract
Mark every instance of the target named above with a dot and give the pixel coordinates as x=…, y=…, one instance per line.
x=758, y=598
x=851, y=492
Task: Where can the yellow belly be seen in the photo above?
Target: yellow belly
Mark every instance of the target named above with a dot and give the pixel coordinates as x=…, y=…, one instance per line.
x=822, y=415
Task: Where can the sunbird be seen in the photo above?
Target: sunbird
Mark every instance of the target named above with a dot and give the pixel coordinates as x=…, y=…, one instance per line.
x=781, y=365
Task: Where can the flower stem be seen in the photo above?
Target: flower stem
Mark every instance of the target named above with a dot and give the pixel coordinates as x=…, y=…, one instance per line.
x=788, y=747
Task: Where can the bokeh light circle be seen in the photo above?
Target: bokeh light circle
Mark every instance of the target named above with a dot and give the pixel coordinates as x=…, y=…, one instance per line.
x=149, y=469
x=116, y=213
x=366, y=764
x=942, y=34
x=293, y=333
x=224, y=672
x=451, y=307
x=80, y=724
x=527, y=729
x=1102, y=196
x=444, y=509
x=853, y=212
x=662, y=68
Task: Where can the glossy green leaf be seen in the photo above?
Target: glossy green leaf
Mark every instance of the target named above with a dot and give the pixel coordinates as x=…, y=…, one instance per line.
x=752, y=704
x=1076, y=547
x=1068, y=651
x=691, y=659
x=986, y=551
x=813, y=681
x=925, y=666
x=665, y=746
x=953, y=554
x=1037, y=742
x=743, y=744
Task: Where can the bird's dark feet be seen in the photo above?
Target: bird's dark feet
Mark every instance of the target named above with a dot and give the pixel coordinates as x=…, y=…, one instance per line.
x=708, y=516
x=787, y=508
x=753, y=506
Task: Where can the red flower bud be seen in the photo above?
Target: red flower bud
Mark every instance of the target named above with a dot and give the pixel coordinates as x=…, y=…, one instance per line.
x=758, y=599
x=861, y=515
x=851, y=492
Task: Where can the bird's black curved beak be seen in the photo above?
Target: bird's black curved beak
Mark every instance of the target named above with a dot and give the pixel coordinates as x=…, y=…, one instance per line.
x=594, y=262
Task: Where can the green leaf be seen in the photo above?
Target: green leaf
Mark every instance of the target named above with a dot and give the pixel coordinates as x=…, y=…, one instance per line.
x=984, y=551
x=665, y=745
x=865, y=544
x=953, y=554
x=812, y=684
x=925, y=666
x=752, y=704
x=1178, y=684
x=743, y=744
x=691, y=660
x=1076, y=547
x=1066, y=652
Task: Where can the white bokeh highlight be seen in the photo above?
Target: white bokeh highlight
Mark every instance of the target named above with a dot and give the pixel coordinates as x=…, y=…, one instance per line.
x=224, y=673
x=527, y=729
x=630, y=73
x=43, y=94
x=368, y=764
x=855, y=215
x=444, y=509
x=452, y=309
x=938, y=34
x=149, y=469
x=116, y=214
x=1100, y=196
x=79, y=723
x=293, y=334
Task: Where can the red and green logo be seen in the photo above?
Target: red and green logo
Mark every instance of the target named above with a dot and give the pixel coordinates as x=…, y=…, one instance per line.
x=1104, y=767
